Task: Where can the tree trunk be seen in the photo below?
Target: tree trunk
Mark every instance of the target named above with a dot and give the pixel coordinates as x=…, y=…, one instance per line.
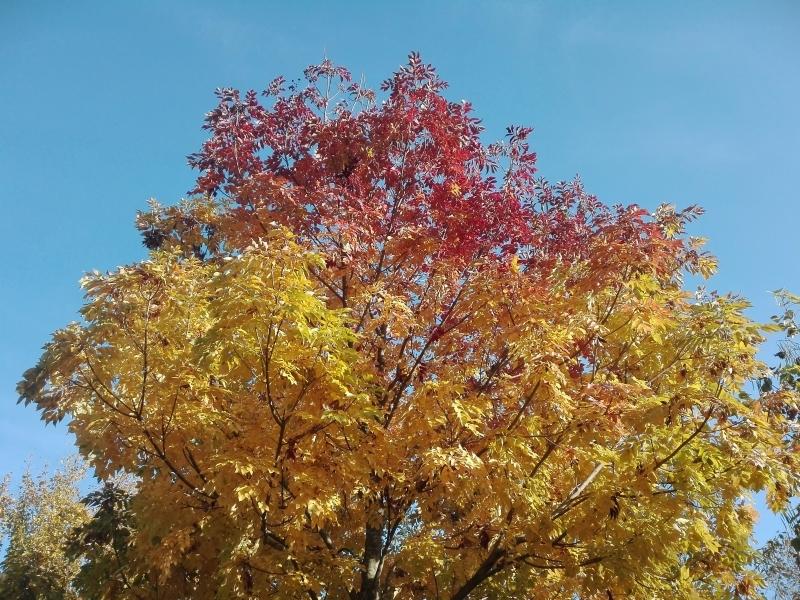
x=372, y=562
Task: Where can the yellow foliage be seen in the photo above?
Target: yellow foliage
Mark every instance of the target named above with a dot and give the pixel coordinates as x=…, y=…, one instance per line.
x=579, y=435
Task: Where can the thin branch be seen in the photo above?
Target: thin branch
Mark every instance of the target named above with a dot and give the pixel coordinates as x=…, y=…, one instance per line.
x=575, y=494
x=685, y=442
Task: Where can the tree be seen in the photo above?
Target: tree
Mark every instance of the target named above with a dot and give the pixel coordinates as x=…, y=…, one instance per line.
x=101, y=546
x=34, y=524
x=779, y=559
x=374, y=358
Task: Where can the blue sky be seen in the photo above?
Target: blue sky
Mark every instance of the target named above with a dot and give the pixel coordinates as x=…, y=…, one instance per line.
x=650, y=102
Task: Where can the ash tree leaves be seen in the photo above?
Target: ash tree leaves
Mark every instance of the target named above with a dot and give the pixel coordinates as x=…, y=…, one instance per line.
x=373, y=357
x=206, y=380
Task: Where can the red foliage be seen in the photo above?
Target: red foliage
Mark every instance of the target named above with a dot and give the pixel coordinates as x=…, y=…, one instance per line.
x=368, y=181
x=410, y=166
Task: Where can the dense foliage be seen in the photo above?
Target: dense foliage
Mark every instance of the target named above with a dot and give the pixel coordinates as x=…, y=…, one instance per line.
x=376, y=358
x=34, y=524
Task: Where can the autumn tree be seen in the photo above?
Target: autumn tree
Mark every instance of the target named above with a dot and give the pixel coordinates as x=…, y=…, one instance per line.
x=34, y=524
x=375, y=358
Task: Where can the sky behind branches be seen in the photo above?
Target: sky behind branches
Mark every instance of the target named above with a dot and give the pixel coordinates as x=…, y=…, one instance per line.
x=649, y=102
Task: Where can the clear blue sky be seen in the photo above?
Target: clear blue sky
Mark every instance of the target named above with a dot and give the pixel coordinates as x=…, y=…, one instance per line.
x=650, y=102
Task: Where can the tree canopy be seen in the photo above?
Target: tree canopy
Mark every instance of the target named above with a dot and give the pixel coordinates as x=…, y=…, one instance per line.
x=373, y=357
x=35, y=523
